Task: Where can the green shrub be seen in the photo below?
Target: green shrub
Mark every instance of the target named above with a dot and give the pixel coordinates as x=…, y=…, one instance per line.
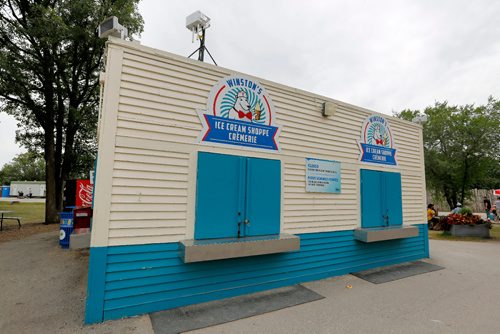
x=466, y=211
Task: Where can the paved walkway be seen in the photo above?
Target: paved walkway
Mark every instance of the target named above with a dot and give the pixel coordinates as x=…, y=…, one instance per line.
x=462, y=298
x=43, y=291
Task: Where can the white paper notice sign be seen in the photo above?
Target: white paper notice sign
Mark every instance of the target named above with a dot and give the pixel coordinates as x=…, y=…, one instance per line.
x=322, y=176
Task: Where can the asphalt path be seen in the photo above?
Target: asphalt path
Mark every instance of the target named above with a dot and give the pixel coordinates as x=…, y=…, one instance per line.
x=42, y=290
x=462, y=298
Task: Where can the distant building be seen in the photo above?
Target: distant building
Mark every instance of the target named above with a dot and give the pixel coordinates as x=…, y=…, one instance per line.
x=36, y=188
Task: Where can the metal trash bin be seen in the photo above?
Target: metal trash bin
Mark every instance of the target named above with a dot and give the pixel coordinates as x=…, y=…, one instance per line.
x=66, y=228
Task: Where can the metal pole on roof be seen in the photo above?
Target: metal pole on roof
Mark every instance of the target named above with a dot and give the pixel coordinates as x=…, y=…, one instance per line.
x=202, y=45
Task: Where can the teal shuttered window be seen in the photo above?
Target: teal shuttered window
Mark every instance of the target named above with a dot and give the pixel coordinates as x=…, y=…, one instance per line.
x=237, y=196
x=381, y=203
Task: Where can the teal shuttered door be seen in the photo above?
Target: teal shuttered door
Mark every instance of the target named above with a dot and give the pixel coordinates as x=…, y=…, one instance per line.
x=381, y=202
x=394, y=205
x=218, y=199
x=371, y=199
x=263, y=189
x=237, y=196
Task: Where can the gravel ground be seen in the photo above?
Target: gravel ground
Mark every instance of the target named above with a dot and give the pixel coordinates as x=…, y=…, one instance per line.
x=12, y=232
x=43, y=289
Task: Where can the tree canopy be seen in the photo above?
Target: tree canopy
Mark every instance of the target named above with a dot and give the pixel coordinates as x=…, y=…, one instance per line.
x=462, y=148
x=24, y=167
x=50, y=58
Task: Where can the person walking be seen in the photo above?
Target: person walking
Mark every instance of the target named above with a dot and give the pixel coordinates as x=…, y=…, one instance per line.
x=432, y=220
x=487, y=207
x=457, y=209
x=497, y=207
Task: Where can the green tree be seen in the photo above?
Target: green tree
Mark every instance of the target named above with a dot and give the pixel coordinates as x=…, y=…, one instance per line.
x=50, y=58
x=461, y=148
x=24, y=167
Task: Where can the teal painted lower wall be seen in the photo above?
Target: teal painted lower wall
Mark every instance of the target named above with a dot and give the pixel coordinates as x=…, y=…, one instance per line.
x=130, y=280
x=96, y=285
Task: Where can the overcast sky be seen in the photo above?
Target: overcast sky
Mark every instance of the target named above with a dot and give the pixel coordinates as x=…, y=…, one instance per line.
x=381, y=55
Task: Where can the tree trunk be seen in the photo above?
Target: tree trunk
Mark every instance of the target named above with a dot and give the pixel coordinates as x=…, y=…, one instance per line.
x=464, y=179
x=450, y=201
x=52, y=167
x=451, y=197
x=58, y=150
x=69, y=144
x=51, y=213
x=447, y=197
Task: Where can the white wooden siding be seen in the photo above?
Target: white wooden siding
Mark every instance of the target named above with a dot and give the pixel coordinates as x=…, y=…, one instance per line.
x=153, y=185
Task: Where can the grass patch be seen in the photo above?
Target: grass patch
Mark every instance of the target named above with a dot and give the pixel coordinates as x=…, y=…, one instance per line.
x=32, y=216
x=28, y=212
x=440, y=235
x=495, y=232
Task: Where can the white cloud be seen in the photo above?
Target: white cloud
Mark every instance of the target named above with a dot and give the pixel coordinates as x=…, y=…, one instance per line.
x=381, y=55
x=8, y=148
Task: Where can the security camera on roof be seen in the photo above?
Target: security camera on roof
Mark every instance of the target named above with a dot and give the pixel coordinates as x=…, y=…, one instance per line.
x=111, y=27
x=197, y=21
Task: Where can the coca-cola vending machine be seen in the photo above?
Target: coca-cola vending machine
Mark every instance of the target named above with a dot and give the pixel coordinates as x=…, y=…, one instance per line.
x=83, y=193
x=77, y=193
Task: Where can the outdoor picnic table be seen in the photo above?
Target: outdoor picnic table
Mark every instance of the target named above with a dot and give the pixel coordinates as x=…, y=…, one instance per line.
x=2, y=218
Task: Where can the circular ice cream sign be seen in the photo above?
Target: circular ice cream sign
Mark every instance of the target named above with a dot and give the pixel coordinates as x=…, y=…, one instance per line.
x=239, y=112
x=377, y=144
x=243, y=99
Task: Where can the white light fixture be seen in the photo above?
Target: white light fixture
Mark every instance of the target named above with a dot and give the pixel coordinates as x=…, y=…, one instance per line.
x=111, y=27
x=329, y=108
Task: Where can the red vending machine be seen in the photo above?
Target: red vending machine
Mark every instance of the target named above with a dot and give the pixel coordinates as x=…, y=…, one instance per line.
x=83, y=202
x=83, y=193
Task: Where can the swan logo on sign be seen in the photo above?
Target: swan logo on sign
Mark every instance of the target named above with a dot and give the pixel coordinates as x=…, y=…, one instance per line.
x=239, y=113
x=377, y=144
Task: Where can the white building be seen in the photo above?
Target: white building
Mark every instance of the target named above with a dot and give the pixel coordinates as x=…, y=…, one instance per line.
x=36, y=188
x=211, y=184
